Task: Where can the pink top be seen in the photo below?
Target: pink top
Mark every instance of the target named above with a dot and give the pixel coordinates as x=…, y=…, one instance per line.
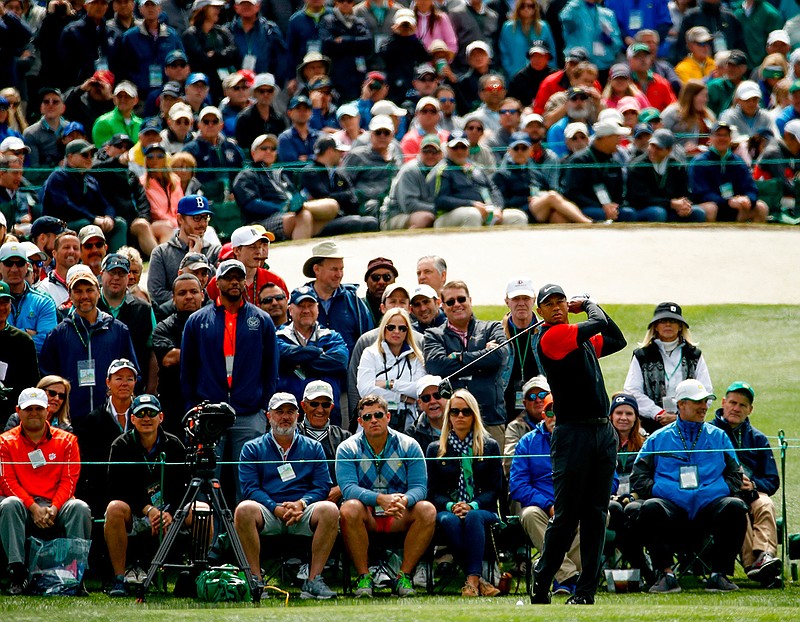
x=163, y=202
x=442, y=29
x=410, y=144
x=641, y=99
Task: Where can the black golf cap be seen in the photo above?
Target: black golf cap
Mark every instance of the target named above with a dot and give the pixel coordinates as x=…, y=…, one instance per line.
x=549, y=290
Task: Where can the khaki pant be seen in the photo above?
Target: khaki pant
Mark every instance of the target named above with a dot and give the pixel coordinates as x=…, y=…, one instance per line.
x=471, y=217
x=400, y=221
x=534, y=521
x=498, y=433
x=762, y=531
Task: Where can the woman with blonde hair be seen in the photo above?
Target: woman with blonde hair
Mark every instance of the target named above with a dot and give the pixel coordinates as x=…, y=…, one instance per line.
x=164, y=190
x=391, y=366
x=666, y=357
x=524, y=26
x=690, y=119
x=183, y=164
x=16, y=112
x=135, y=275
x=464, y=479
x=57, y=390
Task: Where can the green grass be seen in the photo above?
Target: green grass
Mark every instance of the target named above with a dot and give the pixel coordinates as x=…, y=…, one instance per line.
x=749, y=342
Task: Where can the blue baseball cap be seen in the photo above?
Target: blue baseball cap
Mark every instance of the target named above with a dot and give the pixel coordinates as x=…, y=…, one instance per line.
x=193, y=205
x=176, y=55
x=152, y=124
x=73, y=126
x=115, y=260
x=519, y=138
x=303, y=293
x=194, y=78
x=299, y=100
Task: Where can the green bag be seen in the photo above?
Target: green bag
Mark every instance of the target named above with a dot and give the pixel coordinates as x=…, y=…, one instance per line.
x=223, y=584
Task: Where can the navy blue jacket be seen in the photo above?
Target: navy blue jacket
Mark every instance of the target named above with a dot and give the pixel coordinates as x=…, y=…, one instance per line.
x=72, y=195
x=759, y=466
x=343, y=46
x=347, y=314
x=444, y=472
x=83, y=42
x=255, y=366
x=14, y=36
x=266, y=43
x=262, y=191
x=136, y=51
x=301, y=30
x=224, y=155
x=706, y=179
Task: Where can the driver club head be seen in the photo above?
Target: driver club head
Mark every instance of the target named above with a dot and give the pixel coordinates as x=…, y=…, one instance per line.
x=445, y=389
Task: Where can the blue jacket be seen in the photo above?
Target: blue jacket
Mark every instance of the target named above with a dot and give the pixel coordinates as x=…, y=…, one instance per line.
x=301, y=30
x=786, y=115
x=585, y=25
x=259, y=478
x=402, y=468
x=84, y=43
x=137, y=51
x=291, y=146
x=266, y=43
x=323, y=357
x=531, y=478
x=225, y=155
x=255, y=365
x=345, y=313
x=656, y=471
x=71, y=342
x=34, y=311
x=708, y=172
x=514, y=46
x=72, y=195
x=759, y=466
x=635, y=15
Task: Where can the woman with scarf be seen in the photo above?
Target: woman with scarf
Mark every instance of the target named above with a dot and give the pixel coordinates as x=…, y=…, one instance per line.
x=666, y=357
x=464, y=481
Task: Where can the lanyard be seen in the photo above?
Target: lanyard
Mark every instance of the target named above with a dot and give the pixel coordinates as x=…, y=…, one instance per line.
x=683, y=441
x=518, y=350
x=671, y=375
x=88, y=332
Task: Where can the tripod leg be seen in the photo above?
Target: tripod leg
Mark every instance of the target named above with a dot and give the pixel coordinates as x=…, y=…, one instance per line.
x=220, y=507
x=169, y=539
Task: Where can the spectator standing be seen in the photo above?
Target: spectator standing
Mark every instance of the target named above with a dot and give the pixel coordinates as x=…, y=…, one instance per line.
x=261, y=117
x=473, y=20
x=699, y=62
x=122, y=119
x=91, y=99
x=259, y=41
x=524, y=28
x=724, y=27
x=594, y=28
x=87, y=43
x=210, y=47
x=345, y=39
x=42, y=137
x=303, y=32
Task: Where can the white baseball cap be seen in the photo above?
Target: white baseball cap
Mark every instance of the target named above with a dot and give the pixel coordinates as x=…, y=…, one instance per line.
x=247, y=235
x=381, y=122
x=387, y=107
x=32, y=397
x=479, y=45
x=279, y=399
x=424, y=290
x=793, y=128
x=539, y=382
x=181, y=111
x=747, y=90
x=520, y=287
x=777, y=36
x=427, y=381
x=610, y=128
x=693, y=390
x=317, y=388
x=126, y=87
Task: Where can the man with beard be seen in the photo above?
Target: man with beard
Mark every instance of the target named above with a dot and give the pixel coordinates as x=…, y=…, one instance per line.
x=380, y=274
x=93, y=247
x=229, y=354
x=578, y=109
x=67, y=253
x=187, y=295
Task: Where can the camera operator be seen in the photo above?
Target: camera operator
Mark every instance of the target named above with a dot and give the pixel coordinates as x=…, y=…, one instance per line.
x=140, y=505
x=229, y=354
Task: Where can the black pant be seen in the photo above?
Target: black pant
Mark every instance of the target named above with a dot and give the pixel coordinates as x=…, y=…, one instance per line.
x=666, y=528
x=584, y=458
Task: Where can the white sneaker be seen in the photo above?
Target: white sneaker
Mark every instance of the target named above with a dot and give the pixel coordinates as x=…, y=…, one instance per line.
x=380, y=578
x=302, y=573
x=420, y=579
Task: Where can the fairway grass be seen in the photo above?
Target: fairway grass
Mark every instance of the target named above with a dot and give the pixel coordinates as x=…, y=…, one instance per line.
x=759, y=344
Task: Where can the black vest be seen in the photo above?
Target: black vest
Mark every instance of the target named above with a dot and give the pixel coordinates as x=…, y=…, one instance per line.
x=652, y=365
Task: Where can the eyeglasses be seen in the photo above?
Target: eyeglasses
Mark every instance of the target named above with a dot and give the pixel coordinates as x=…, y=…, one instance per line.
x=178, y=65
x=427, y=78
x=11, y=263
x=381, y=132
x=267, y=300
x=181, y=121
x=268, y=148
x=540, y=395
x=210, y=121
x=201, y=218
x=94, y=244
x=146, y=414
x=397, y=327
x=431, y=396
x=474, y=128
x=266, y=90
x=461, y=412
x=447, y=100
x=580, y=98
x=367, y=417
x=377, y=277
x=316, y=404
x=509, y=111
x=51, y=102
x=58, y=394
x=240, y=87
x=520, y=148
x=458, y=299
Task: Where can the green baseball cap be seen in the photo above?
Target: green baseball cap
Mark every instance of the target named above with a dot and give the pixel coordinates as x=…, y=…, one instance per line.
x=742, y=387
x=649, y=114
x=795, y=86
x=5, y=290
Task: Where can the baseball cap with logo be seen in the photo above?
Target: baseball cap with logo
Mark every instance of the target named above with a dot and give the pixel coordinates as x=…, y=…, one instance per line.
x=81, y=272
x=693, y=390
x=426, y=381
x=247, y=235
x=115, y=260
x=740, y=386
x=391, y=289
x=303, y=293
x=145, y=402
x=32, y=397
x=127, y=87
x=317, y=388
x=549, y=290
x=5, y=290
x=194, y=78
x=228, y=265
x=576, y=54
x=193, y=205
x=194, y=261
x=537, y=382
x=90, y=231
x=521, y=286
x=426, y=291
x=279, y=399
x=119, y=364
x=79, y=146
x=13, y=249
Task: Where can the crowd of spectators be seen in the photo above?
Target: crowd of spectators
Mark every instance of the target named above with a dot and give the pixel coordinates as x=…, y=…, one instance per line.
x=96, y=368
x=320, y=117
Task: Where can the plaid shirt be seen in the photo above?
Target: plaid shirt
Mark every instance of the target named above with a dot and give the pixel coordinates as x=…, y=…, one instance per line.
x=400, y=468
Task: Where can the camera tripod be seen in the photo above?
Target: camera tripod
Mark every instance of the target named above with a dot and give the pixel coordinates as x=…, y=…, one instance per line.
x=206, y=483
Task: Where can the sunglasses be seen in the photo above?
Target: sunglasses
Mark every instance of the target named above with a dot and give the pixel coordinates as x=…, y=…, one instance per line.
x=267, y=300
x=580, y=98
x=509, y=111
x=367, y=417
x=540, y=395
x=178, y=65
x=520, y=148
x=146, y=414
x=381, y=132
x=240, y=87
x=429, y=111
x=431, y=151
x=377, y=277
x=264, y=90
x=94, y=244
x=12, y=263
x=447, y=100
x=58, y=394
x=156, y=156
x=474, y=128
x=461, y=412
x=268, y=148
x=397, y=327
x=458, y=299
x=182, y=122
x=51, y=102
x=427, y=78
x=431, y=396
x=316, y=404
x=210, y=121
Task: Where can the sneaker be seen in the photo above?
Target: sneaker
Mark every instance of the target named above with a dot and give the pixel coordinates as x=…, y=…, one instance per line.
x=135, y=575
x=580, y=599
x=667, y=583
x=18, y=579
x=720, y=583
x=420, y=579
x=469, y=590
x=403, y=586
x=364, y=586
x=563, y=588
x=380, y=578
x=487, y=589
x=302, y=573
x=119, y=587
x=766, y=568
x=316, y=588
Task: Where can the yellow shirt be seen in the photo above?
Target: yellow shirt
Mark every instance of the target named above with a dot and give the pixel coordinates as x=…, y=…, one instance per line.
x=690, y=69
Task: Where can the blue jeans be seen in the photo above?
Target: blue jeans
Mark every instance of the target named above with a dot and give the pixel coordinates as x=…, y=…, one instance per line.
x=661, y=214
x=596, y=213
x=466, y=537
x=697, y=214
